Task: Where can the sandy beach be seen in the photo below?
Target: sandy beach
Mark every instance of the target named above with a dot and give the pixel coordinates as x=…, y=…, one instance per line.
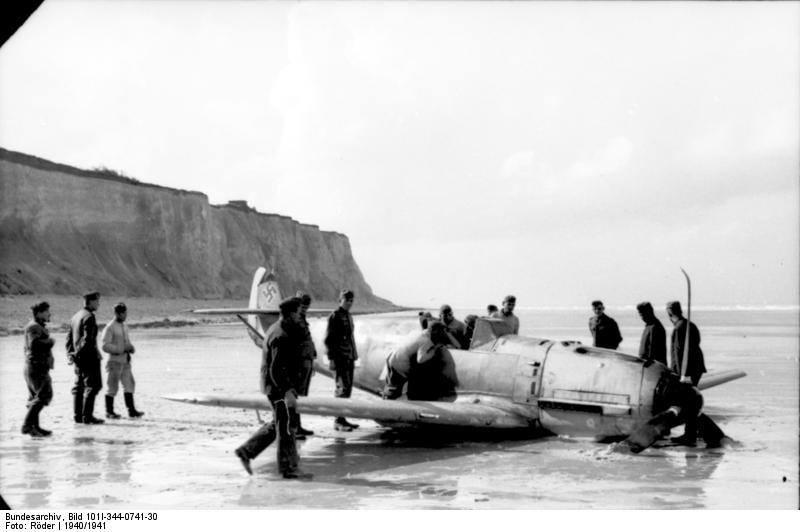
x=181, y=456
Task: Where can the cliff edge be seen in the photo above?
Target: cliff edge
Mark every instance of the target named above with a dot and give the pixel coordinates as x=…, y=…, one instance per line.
x=64, y=230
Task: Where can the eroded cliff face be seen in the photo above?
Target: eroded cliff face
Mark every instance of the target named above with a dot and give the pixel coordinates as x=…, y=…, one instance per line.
x=64, y=230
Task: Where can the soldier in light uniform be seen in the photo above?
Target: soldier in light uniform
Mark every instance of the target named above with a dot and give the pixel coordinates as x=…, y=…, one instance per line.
x=116, y=342
x=507, y=313
x=38, y=363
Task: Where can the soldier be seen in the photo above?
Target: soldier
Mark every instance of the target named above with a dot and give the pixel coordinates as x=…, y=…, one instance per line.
x=695, y=364
x=83, y=353
x=604, y=329
x=398, y=365
x=342, y=353
x=507, y=313
x=309, y=353
x=432, y=374
x=38, y=363
x=116, y=342
x=456, y=330
x=281, y=367
x=653, y=346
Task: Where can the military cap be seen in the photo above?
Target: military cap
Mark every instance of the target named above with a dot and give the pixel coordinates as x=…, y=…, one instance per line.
x=305, y=299
x=597, y=303
x=445, y=308
x=120, y=307
x=675, y=307
x=41, y=306
x=346, y=294
x=645, y=306
x=91, y=296
x=289, y=305
x=510, y=299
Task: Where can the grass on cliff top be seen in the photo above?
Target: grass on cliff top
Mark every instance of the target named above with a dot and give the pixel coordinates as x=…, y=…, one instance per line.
x=15, y=311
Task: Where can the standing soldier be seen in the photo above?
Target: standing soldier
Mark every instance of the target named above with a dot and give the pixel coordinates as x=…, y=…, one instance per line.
x=83, y=353
x=604, y=329
x=116, y=342
x=653, y=345
x=309, y=353
x=38, y=363
x=695, y=365
x=507, y=313
x=342, y=354
x=280, y=378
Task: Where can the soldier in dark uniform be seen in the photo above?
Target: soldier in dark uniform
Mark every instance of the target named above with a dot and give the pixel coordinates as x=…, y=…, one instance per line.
x=342, y=354
x=653, y=345
x=432, y=373
x=83, y=353
x=456, y=330
x=604, y=328
x=695, y=364
x=281, y=368
x=38, y=363
x=309, y=353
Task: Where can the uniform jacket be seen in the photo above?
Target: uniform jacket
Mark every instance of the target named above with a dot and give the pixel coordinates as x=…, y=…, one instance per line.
x=511, y=319
x=82, y=335
x=605, y=331
x=339, y=338
x=116, y=342
x=653, y=345
x=433, y=374
x=38, y=345
x=281, y=362
x=458, y=330
x=400, y=358
x=309, y=352
x=697, y=365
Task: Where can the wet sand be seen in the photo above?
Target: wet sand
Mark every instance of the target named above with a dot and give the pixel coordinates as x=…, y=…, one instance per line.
x=181, y=456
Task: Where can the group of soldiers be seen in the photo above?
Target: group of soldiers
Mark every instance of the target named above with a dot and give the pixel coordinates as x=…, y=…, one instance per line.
x=84, y=355
x=287, y=362
x=653, y=344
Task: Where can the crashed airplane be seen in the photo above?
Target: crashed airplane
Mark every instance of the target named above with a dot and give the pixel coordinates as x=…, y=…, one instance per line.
x=507, y=382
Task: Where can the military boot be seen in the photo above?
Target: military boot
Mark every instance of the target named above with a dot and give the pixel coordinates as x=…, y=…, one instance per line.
x=341, y=425
x=132, y=412
x=77, y=403
x=110, y=414
x=88, y=412
x=29, y=425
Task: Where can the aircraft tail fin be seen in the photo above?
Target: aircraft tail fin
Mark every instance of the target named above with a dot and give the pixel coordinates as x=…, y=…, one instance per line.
x=264, y=295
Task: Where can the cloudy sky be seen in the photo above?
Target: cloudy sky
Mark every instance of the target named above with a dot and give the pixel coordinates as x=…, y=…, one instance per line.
x=559, y=151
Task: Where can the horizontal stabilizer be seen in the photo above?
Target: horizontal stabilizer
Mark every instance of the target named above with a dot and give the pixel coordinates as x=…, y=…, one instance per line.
x=457, y=414
x=709, y=380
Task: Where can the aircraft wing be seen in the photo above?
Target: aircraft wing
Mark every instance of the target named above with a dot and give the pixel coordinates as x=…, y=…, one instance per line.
x=430, y=413
x=709, y=380
x=256, y=311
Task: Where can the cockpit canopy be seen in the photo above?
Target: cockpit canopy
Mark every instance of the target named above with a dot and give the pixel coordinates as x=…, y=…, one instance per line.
x=487, y=331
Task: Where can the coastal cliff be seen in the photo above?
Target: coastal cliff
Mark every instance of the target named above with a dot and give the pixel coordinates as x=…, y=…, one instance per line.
x=64, y=230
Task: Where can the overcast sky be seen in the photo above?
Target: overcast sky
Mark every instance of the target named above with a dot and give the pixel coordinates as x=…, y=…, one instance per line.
x=559, y=151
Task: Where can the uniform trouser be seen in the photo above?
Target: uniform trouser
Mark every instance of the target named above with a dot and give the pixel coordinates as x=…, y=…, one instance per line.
x=344, y=377
x=394, y=383
x=277, y=428
x=119, y=371
x=690, y=429
x=40, y=385
x=88, y=383
x=305, y=377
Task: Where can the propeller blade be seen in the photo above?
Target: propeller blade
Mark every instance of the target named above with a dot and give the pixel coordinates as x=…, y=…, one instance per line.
x=709, y=431
x=651, y=431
